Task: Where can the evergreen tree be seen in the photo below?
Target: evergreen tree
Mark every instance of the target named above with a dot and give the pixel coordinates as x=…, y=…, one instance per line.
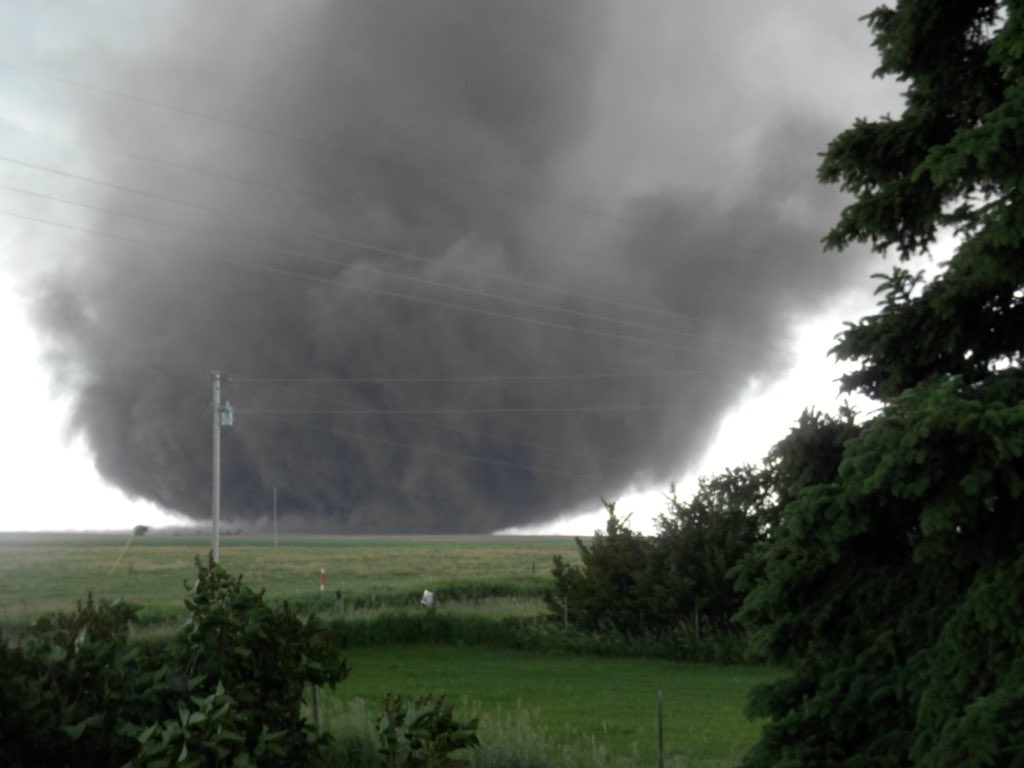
x=682, y=578
x=604, y=591
x=688, y=578
x=894, y=588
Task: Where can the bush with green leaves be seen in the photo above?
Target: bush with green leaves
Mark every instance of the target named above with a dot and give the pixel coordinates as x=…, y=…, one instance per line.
x=603, y=592
x=689, y=579
x=72, y=689
x=207, y=730
x=423, y=733
x=264, y=655
x=225, y=690
x=679, y=583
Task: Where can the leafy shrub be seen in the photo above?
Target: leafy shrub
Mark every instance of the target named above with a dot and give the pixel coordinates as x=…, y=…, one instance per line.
x=227, y=689
x=603, y=592
x=264, y=655
x=680, y=584
x=422, y=733
x=209, y=732
x=71, y=684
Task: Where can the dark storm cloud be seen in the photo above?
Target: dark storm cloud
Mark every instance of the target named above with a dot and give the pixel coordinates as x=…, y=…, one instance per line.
x=461, y=141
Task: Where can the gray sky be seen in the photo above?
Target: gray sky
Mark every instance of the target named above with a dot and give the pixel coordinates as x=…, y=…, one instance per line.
x=469, y=265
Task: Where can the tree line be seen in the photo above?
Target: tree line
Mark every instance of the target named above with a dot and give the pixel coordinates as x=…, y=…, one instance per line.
x=692, y=576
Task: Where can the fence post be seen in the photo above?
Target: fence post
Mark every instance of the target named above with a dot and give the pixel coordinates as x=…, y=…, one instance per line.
x=661, y=730
x=314, y=703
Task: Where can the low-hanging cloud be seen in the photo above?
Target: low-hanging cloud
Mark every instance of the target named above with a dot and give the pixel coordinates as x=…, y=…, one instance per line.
x=461, y=272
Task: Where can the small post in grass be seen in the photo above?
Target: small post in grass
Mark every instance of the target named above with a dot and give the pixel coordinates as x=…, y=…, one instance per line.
x=314, y=704
x=661, y=730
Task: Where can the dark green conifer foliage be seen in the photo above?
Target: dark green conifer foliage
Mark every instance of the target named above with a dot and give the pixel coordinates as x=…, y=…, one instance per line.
x=688, y=578
x=604, y=592
x=680, y=581
x=894, y=588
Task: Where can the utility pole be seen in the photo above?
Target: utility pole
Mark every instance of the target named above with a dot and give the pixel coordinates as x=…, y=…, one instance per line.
x=275, y=517
x=222, y=417
x=216, y=465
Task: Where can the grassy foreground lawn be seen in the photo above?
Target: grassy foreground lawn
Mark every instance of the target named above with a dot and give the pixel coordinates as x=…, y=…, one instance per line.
x=580, y=710
x=43, y=573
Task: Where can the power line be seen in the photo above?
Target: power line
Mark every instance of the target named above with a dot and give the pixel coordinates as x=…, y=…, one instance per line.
x=307, y=142
x=199, y=170
x=328, y=260
x=349, y=265
x=422, y=449
x=458, y=411
x=350, y=242
x=456, y=430
x=412, y=419
x=336, y=282
x=465, y=379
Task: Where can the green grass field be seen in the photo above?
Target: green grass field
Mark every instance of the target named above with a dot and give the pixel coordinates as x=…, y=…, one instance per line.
x=549, y=709
x=576, y=709
x=498, y=576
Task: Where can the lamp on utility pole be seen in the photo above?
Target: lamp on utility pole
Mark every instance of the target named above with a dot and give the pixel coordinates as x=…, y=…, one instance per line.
x=223, y=416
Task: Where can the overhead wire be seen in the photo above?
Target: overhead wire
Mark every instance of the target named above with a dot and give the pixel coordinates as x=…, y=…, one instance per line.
x=423, y=449
x=322, y=259
x=307, y=142
x=346, y=241
x=604, y=458
x=232, y=379
x=478, y=379
x=374, y=248
x=273, y=415
x=400, y=412
x=337, y=282
x=540, y=410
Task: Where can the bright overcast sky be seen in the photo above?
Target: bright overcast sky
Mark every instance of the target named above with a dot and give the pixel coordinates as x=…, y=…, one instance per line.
x=566, y=251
